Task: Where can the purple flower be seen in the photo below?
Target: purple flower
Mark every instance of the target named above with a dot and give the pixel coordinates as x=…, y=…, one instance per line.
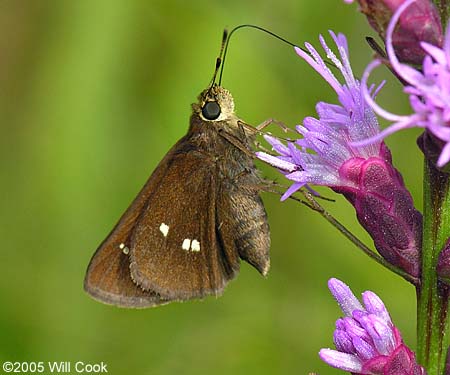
x=330, y=136
x=428, y=90
x=366, y=340
x=326, y=156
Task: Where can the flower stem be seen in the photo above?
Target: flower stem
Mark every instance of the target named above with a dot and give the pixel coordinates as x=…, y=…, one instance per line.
x=432, y=296
x=314, y=205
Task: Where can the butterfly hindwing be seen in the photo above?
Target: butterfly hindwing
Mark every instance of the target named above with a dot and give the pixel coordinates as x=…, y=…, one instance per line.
x=250, y=238
x=109, y=281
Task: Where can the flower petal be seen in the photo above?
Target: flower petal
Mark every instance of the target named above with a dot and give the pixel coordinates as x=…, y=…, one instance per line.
x=343, y=361
x=276, y=162
x=293, y=188
x=374, y=305
x=344, y=296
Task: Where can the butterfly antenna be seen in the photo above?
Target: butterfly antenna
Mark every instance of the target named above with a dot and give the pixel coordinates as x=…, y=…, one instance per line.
x=227, y=42
x=219, y=59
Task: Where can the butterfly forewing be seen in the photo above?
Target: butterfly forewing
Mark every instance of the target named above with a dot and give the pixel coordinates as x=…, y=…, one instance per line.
x=108, y=275
x=175, y=248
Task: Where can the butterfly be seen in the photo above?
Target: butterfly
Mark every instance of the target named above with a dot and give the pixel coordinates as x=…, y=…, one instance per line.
x=199, y=213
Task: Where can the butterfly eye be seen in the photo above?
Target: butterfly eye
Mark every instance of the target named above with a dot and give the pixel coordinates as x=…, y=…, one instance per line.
x=211, y=110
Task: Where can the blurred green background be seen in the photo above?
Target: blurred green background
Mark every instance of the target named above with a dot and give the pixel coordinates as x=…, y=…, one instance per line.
x=92, y=95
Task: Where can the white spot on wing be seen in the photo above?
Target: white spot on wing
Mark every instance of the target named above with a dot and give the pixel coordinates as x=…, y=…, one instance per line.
x=186, y=244
x=164, y=228
x=195, y=245
x=124, y=248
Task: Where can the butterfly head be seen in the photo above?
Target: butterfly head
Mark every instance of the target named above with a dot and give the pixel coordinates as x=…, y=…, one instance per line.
x=215, y=104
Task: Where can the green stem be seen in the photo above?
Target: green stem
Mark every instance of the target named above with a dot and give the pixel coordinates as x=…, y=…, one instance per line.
x=314, y=205
x=432, y=296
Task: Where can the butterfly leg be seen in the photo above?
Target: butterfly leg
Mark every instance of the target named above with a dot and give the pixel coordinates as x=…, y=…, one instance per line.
x=265, y=124
x=271, y=121
x=270, y=186
x=243, y=145
x=258, y=130
x=238, y=143
x=259, y=146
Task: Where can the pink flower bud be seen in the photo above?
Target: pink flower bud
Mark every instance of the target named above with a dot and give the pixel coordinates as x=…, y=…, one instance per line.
x=384, y=207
